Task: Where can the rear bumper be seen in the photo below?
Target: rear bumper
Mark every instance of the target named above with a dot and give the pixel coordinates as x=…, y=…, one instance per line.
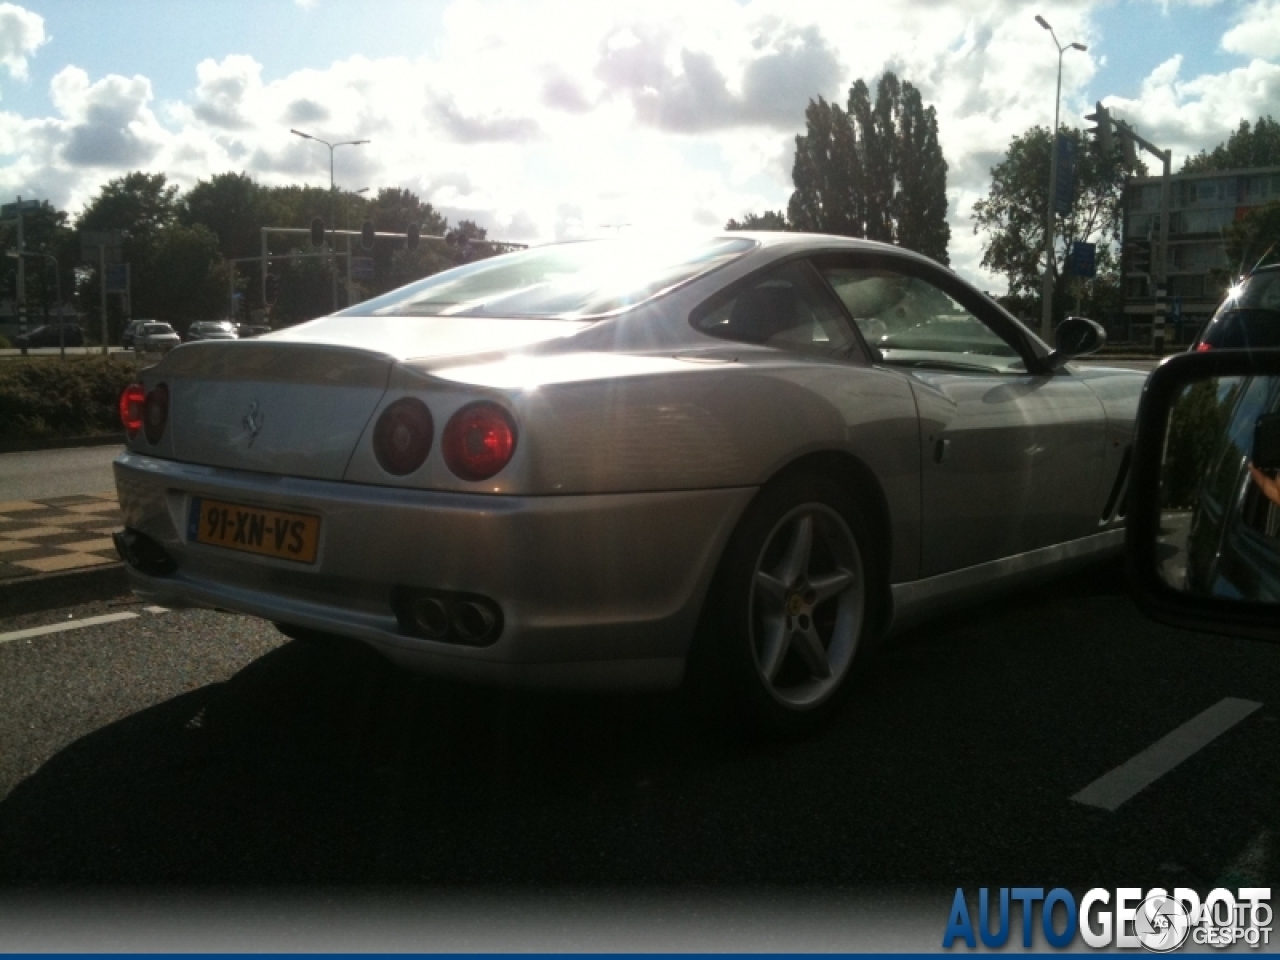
x=599, y=591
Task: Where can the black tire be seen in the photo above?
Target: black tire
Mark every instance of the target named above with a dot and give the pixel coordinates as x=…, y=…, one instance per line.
x=767, y=650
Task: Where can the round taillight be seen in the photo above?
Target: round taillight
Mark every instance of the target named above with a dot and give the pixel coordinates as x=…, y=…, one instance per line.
x=479, y=441
x=131, y=402
x=155, y=413
x=402, y=437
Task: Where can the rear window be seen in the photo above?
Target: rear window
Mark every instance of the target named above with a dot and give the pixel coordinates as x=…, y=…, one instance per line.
x=157, y=328
x=568, y=280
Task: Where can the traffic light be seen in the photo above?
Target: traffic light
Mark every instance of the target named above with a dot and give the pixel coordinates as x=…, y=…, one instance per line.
x=1101, y=134
x=412, y=239
x=270, y=289
x=1139, y=256
x=1127, y=145
x=317, y=232
x=366, y=234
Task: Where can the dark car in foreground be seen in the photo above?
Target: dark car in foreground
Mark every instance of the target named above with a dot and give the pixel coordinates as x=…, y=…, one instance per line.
x=592, y=464
x=1249, y=317
x=49, y=336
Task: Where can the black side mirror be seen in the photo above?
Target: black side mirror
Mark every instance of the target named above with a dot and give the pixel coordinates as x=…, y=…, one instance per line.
x=1075, y=337
x=1203, y=537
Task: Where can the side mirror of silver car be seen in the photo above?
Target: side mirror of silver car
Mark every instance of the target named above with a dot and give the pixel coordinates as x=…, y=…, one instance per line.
x=1075, y=337
x=1203, y=534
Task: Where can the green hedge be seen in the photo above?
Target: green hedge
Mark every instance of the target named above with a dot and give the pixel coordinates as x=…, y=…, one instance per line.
x=49, y=397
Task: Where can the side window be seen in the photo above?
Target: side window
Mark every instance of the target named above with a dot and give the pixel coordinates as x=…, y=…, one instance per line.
x=787, y=308
x=914, y=322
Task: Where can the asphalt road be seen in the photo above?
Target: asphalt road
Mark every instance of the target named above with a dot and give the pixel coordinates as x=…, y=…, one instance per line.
x=57, y=473
x=198, y=748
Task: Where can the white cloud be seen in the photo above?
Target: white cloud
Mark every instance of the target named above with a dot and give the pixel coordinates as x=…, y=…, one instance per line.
x=21, y=35
x=552, y=122
x=1187, y=116
x=1257, y=31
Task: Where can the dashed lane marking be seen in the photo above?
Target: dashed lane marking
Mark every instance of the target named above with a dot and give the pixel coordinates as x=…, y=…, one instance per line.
x=64, y=625
x=1133, y=776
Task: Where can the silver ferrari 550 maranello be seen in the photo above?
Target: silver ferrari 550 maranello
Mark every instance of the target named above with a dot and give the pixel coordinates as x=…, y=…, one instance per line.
x=593, y=464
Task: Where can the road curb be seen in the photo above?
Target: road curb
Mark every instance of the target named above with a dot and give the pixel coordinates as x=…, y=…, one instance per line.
x=61, y=443
x=46, y=591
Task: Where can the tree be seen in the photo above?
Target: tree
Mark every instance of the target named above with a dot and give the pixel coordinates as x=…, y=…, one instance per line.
x=185, y=280
x=769, y=220
x=44, y=230
x=141, y=206
x=1255, y=239
x=1258, y=146
x=827, y=174
x=234, y=207
x=873, y=170
x=1013, y=213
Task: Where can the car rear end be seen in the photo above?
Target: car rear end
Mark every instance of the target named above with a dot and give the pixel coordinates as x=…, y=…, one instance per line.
x=347, y=491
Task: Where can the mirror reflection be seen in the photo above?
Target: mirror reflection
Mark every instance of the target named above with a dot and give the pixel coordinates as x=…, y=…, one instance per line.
x=1220, y=490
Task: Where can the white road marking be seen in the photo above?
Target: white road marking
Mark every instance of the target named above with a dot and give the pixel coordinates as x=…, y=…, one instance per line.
x=1131, y=777
x=67, y=625
x=156, y=609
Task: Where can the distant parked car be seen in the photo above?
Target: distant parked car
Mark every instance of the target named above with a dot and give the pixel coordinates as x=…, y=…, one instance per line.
x=47, y=336
x=155, y=338
x=1249, y=318
x=246, y=330
x=212, y=330
x=131, y=331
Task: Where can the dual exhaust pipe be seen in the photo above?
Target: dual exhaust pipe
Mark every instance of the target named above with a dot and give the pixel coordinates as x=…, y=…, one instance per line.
x=445, y=617
x=463, y=618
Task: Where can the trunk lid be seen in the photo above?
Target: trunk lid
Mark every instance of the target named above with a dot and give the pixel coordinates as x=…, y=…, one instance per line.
x=296, y=402
x=290, y=409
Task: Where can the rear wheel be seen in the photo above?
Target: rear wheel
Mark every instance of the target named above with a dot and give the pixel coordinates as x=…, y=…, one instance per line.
x=793, y=604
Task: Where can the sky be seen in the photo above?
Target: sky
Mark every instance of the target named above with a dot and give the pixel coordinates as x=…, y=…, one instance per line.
x=556, y=120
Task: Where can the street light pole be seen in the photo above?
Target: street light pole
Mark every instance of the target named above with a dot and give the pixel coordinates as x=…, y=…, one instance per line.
x=1046, y=290
x=332, y=247
x=57, y=285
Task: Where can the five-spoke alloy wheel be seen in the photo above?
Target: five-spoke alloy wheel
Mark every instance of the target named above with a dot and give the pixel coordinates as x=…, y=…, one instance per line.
x=793, y=602
x=806, y=605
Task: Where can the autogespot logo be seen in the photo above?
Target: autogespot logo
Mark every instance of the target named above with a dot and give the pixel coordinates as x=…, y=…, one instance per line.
x=1126, y=918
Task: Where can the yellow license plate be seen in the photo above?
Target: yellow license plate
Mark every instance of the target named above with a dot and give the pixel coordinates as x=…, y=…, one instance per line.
x=270, y=533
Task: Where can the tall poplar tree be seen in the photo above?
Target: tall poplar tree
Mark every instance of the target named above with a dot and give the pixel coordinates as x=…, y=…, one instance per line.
x=874, y=169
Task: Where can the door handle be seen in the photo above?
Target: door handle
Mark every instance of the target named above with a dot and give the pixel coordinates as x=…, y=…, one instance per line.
x=941, y=450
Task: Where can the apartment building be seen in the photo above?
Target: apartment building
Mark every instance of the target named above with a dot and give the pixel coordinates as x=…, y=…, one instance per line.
x=1201, y=205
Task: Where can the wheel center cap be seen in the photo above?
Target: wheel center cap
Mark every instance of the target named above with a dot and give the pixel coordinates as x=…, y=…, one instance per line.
x=795, y=605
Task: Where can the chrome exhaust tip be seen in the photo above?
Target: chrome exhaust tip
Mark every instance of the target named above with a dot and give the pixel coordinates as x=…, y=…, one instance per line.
x=461, y=618
x=474, y=621
x=143, y=553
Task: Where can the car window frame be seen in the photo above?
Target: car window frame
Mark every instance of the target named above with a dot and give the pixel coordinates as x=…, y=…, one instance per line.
x=860, y=354
x=984, y=310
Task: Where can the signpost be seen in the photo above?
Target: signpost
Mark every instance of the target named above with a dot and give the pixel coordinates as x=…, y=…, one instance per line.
x=1083, y=260
x=117, y=278
x=14, y=211
x=103, y=246
x=1064, y=186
